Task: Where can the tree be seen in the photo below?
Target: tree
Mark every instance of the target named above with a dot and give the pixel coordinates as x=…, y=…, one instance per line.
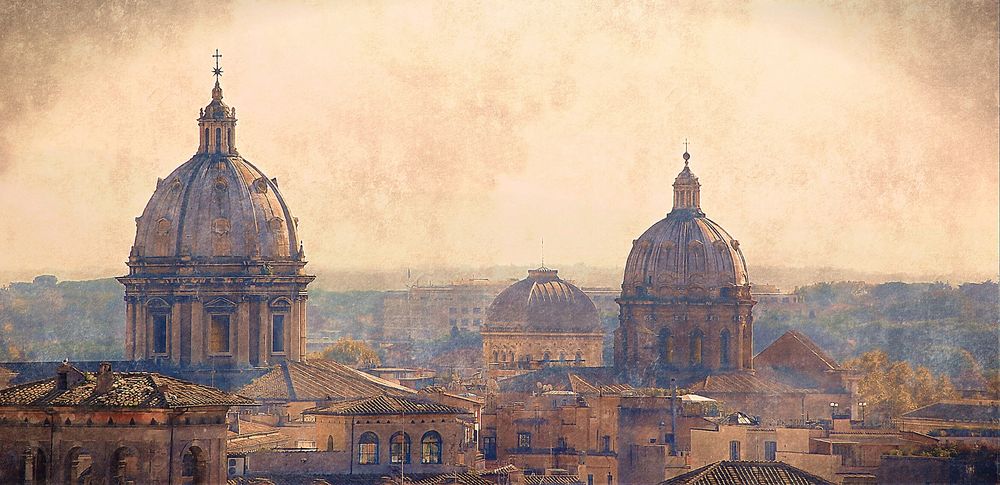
x=892, y=388
x=352, y=352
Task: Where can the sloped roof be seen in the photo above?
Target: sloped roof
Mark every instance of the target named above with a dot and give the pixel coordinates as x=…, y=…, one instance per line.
x=561, y=479
x=797, y=338
x=143, y=390
x=386, y=405
x=747, y=472
x=318, y=380
x=452, y=478
x=959, y=411
x=742, y=382
x=560, y=379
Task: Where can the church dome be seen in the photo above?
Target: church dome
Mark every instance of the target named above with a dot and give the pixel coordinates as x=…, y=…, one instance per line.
x=686, y=254
x=543, y=302
x=217, y=207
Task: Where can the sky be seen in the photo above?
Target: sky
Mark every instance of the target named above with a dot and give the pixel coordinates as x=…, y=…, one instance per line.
x=857, y=135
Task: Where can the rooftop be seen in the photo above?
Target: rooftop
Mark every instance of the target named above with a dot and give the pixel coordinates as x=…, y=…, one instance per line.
x=386, y=405
x=747, y=472
x=142, y=390
x=318, y=380
x=966, y=411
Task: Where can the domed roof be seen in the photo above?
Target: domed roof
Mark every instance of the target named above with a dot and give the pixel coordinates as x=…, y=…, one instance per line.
x=543, y=303
x=216, y=207
x=685, y=251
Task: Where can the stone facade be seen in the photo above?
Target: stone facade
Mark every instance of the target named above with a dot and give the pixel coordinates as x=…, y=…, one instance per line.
x=216, y=275
x=685, y=304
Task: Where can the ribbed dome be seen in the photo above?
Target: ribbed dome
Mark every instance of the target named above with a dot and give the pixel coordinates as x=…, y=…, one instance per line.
x=683, y=252
x=216, y=208
x=543, y=303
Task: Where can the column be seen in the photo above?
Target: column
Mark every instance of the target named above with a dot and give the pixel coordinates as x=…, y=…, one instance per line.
x=292, y=345
x=243, y=332
x=129, y=329
x=141, y=344
x=175, y=332
x=304, y=333
x=197, y=331
x=265, y=332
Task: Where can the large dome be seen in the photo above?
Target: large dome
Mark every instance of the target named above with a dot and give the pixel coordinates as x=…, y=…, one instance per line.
x=216, y=208
x=543, y=303
x=686, y=254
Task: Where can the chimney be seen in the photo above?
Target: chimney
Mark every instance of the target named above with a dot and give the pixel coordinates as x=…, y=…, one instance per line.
x=67, y=376
x=105, y=379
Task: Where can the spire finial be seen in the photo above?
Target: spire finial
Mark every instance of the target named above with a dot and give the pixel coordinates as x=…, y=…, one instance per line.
x=543, y=251
x=218, y=70
x=687, y=156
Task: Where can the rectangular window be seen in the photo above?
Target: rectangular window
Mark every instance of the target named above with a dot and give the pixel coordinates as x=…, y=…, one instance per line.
x=524, y=441
x=770, y=450
x=477, y=310
x=561, y=443
x=734, y=450
x=277, y=333
x=606, y=444
x=368, y=453
x=590, y=480
x=490, y=447
x=219, y=338
x=160, y=324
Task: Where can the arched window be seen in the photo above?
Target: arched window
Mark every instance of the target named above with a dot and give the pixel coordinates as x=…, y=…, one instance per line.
x=579, y=357
x=329, y=443
x=399, y=448
x=696, y=347
x=546, y=357
x=35, y=466
x=666, y=346
x=206, y=139
x=124, y=465
x=496, y=356
x=193, y=466
x=696, y=257
x=724, y=348
x=368, y=449
x=218, y=140
x=562, y=356
x=430, y=448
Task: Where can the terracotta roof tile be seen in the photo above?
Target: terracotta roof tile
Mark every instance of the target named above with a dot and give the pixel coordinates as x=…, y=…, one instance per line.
x=959, y=411
x=747, y=472
x=318, y=380
x=386, y=405
x=129, y=390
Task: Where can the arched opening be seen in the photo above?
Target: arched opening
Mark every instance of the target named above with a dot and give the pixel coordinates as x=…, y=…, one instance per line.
x=496, y=356
x=204, y=141
x=696, y=347
x=724, y=348
x=218, y=140
x=546, y=357
x=666, y=345
x=194, y=466
x=229, y=139
x=34, y=466
x=368, y=449
x=124, y=465
x=430, y=448
x=329, y=443
x=562, y=356
x=579, y=357
x=78, y=466
x=399, y=448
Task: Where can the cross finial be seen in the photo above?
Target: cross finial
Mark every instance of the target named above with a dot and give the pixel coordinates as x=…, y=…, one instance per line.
x=218, y=70
x=687, y=156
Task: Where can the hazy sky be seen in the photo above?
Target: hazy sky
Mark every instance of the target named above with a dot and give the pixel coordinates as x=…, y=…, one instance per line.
x=857, y=135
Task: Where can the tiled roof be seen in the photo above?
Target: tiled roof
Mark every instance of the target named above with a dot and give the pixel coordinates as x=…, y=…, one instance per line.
x=452, y=478
x=318, y=380
x=386, y=405
x=552, y=479
x=959, y=411
x=254, y=437
x=741, y=382
x=559, y=378
x=130, y=390
x=747, y=472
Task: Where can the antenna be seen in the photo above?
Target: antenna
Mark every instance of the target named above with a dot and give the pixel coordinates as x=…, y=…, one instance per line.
x=543, y=251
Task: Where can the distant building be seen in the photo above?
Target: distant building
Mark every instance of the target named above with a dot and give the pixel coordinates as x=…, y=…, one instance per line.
x=540, y=321
x=113, y=427
x=958, y=421
x=428, y=312
x=772, y=295
x=216, y=274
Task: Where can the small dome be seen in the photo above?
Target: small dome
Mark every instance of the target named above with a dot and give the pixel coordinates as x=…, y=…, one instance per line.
x=685, y=251
x=544, y=303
